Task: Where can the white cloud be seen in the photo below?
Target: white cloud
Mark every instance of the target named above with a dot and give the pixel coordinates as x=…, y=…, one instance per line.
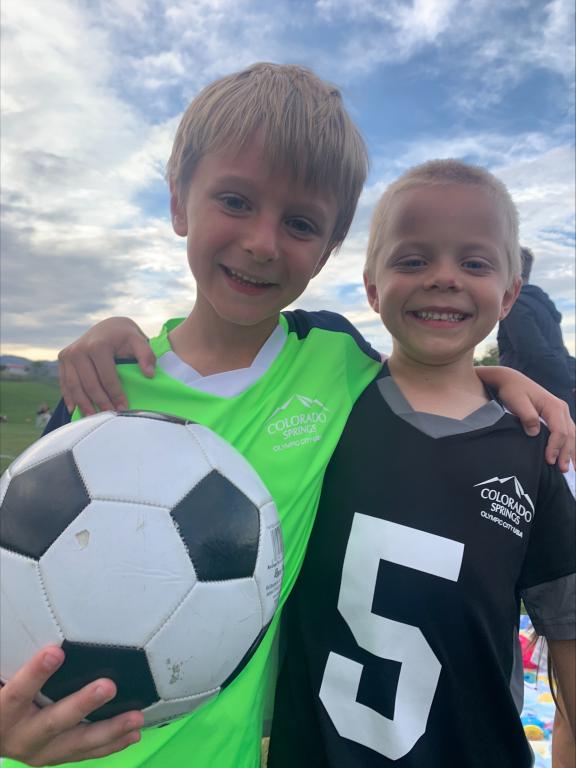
x=85, y=136
x=75, y=157
x=492, y=47
x=125, y=14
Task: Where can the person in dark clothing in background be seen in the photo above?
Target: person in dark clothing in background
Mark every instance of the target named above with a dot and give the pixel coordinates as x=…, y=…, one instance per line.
x=530, y=339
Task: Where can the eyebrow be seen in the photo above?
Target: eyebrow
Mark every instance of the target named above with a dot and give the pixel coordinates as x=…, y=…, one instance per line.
x=471, y=246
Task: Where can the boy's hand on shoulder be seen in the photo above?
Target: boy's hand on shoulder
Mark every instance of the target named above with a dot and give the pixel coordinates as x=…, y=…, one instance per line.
x=530, y=402
x=88, y=377
x=56, y=734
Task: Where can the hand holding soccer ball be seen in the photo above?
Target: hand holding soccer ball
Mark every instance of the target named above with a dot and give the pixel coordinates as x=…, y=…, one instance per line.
x=134, y=542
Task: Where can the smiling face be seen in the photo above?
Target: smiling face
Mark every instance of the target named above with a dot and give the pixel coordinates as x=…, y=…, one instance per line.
x=441, y=279
x=255, y=237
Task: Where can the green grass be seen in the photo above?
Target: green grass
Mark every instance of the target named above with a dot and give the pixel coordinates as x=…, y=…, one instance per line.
x=19, y=401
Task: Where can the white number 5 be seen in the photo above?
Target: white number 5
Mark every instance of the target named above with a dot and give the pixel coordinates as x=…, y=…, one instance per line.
x=371, y=540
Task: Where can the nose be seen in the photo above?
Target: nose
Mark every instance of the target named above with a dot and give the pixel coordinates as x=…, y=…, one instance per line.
x=261, y=239
x=444, y=276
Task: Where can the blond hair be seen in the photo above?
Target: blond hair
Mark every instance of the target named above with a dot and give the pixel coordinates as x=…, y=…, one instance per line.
x=443, y=172
x=307, y=132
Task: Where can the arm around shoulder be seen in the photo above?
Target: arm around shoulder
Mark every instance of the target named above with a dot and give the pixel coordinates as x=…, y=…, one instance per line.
x=88, y=377
x=530, y=402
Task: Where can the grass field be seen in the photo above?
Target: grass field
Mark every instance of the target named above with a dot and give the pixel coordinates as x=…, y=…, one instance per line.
x=19, y=401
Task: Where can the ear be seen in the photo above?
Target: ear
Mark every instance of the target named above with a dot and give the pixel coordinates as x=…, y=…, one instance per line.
x=510, y=297
x=178, y=214
x=372, y=292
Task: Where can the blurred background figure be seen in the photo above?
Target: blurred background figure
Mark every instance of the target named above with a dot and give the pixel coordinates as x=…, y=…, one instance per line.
x=43, y=415
x=530, y=339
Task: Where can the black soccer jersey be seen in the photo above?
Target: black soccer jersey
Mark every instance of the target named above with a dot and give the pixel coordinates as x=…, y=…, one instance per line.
x=402, y=630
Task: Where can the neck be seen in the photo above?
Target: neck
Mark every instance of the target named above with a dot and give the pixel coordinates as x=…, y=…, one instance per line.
x=450, y=389
x=218, y=346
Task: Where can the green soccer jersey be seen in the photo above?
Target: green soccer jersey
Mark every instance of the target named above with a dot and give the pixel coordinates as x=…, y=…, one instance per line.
x=287, y=424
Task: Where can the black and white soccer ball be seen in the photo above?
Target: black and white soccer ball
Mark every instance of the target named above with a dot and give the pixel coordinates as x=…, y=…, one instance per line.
x=149, y=549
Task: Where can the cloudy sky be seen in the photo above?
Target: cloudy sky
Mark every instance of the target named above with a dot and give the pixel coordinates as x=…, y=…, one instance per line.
x=91, y=95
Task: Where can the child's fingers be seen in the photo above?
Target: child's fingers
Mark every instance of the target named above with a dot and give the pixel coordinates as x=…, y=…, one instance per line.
x=528, y=415
x=143, y=353
x=98, y=376
x=55, y=719
x=560, y=452
x=100, y=380
x=110, y=736
x=81, y=385
x=561, y=448
x=561, y=443
x=68, y=383
x=88, y=374
x=71, y=388
x=18, y=694
x=70, y=739
x=54, y=734
x=86, y=741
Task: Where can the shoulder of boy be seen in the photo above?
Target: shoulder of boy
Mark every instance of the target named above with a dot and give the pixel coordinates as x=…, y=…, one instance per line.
x=302, y=322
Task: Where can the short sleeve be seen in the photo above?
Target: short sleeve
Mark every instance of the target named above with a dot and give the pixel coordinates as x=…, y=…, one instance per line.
x=548, y=578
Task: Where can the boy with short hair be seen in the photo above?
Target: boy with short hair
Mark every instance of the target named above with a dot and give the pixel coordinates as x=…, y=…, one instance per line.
x=402, y=634
x=265, y=175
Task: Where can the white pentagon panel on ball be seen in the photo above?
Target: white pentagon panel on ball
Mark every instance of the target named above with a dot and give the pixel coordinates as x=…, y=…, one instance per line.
x=140, y=459
x=270, y=564
x=60, y=440
x=206, y=638
x=26, y=621
x=231, y=464
x=116, y=573
x=164, y=711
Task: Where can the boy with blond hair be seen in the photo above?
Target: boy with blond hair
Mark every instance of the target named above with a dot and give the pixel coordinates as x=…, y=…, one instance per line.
x=402, y=634
x=265, y=174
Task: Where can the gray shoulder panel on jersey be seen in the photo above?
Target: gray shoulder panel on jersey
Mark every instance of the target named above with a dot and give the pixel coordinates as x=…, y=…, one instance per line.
x=433, y=425
x=552, y=607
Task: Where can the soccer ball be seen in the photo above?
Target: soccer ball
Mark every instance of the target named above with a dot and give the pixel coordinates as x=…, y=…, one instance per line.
x=146, y=547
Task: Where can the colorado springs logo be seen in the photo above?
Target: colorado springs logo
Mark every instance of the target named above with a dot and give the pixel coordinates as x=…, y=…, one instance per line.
x=299, y=421
x=509, y=504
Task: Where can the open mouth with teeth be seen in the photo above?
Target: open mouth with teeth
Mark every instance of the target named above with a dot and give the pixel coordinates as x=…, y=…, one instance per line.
x=242, y=280
x=437, y=316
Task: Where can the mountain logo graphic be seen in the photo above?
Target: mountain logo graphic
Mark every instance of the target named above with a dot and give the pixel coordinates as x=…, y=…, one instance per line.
x=297, y=423
x=513, y=480
x=307, y=402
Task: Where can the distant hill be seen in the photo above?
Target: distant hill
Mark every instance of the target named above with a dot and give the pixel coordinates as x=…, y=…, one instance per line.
x=42, y=368
x=13, y=360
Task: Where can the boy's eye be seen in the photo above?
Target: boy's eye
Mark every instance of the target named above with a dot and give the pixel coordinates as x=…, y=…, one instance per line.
x=477, y=265
x=411, y=262
x=234, y=202
x=301, y=226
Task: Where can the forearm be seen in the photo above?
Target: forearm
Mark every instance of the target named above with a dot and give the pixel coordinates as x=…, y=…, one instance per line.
x=563, y=654
x=563, y=741
x=496, y=376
